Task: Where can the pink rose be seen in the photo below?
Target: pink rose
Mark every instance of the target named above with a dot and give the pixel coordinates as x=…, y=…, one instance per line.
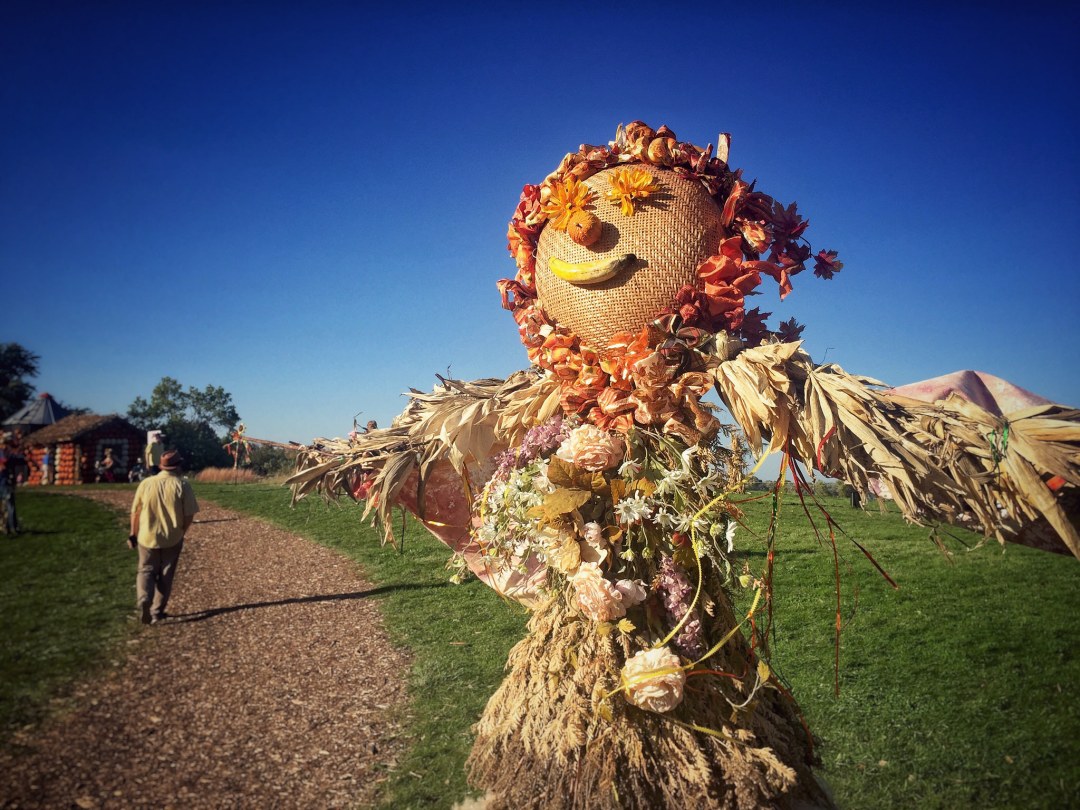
x=597, y=598
x=654, y=680
x=592, y=449
x=594, y=535
x=633, y=592
x=595, y=546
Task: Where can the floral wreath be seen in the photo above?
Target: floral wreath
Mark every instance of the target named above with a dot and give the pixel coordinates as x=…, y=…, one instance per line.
x=634, y=380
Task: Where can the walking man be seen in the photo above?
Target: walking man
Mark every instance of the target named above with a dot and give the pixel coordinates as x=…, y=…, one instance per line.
x=163, y=510
x=152, y=453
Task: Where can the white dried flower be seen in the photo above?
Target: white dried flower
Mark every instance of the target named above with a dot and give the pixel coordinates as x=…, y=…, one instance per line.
x=665, y=518
x=633, y=509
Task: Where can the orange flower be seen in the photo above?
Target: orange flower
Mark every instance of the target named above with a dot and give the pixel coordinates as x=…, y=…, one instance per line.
x=628, y=185
x=617, y=424
x=567, y=197
x=654, y=405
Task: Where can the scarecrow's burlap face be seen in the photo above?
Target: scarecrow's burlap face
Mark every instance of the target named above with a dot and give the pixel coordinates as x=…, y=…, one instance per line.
x=671, y=233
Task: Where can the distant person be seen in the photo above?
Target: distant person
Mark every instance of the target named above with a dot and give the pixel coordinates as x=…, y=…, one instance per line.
x=13, y=471
x=136, y=473
x=7, y=493
x=106, y=468
x=152, y=454
x=162, y=512
x=46, y=467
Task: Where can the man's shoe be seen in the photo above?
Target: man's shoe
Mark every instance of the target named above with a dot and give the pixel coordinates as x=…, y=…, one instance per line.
x=159, y=618
x=144, y=615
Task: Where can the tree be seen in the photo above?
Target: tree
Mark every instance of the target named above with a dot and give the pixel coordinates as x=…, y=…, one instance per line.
x=72, y=409
x=188, y=419
x=213, y=406
x=168, y=403
x=16, y=364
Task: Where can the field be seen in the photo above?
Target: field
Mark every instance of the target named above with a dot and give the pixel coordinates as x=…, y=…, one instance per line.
x=957, y=690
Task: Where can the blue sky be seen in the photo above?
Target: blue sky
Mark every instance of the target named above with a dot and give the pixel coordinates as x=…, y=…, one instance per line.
x=308, y=207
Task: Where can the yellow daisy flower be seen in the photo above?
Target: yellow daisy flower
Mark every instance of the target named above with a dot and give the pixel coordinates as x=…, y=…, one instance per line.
x=567, y=197
x=628, y=185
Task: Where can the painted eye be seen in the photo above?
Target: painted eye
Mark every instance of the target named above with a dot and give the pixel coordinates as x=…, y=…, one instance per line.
x=566, y=198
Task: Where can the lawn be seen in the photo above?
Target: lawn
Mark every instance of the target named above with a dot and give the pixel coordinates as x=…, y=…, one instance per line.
x=66, y=589
x=957, y=690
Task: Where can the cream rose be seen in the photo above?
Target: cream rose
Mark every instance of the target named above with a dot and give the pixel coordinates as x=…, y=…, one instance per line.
x=654, y=680
x=592, y=449
x=597, y=598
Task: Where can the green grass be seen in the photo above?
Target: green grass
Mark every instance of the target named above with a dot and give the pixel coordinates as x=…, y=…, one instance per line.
x=958, y=690
x=67, y=586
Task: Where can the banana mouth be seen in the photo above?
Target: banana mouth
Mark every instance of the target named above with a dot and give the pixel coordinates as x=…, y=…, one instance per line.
x=592, y=272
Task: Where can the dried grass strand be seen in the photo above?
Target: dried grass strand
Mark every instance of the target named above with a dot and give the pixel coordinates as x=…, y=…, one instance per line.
x=459, y=422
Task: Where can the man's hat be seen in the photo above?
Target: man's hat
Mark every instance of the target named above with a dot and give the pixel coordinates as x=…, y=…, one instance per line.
x=171, y=460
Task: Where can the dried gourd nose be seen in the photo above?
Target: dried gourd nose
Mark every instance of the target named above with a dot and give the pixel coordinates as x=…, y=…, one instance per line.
x=584, y=227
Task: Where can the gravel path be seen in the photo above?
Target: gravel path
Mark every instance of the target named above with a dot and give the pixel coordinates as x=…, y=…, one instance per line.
x=271, y=685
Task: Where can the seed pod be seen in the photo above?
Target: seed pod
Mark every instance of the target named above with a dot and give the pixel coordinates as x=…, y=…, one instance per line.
x=659, y=153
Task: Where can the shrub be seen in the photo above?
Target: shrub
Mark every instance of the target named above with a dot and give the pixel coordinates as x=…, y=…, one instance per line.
x=270, y=461
x=226, y=475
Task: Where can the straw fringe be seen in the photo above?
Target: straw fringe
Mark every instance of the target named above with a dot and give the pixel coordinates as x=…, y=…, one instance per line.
x=543, y=741
x=459, y=422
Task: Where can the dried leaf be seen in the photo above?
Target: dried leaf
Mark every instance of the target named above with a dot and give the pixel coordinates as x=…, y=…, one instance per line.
x=562, y=501
x=763, y=671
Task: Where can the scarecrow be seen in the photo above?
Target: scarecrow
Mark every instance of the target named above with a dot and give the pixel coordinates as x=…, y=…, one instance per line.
x=239, y=446
x=599, y=489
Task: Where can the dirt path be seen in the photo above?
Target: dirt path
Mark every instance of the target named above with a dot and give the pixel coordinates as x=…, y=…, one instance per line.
x=271, y=685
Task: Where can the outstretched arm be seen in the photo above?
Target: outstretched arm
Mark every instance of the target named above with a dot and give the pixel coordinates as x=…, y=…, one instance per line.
x=949, y=460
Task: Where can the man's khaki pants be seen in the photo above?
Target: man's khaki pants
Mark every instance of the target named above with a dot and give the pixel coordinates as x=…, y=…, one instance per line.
x=153, y=583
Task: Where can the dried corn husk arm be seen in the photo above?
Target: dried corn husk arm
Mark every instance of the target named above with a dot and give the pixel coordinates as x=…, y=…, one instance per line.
x=458, y=422
x=946, y=461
